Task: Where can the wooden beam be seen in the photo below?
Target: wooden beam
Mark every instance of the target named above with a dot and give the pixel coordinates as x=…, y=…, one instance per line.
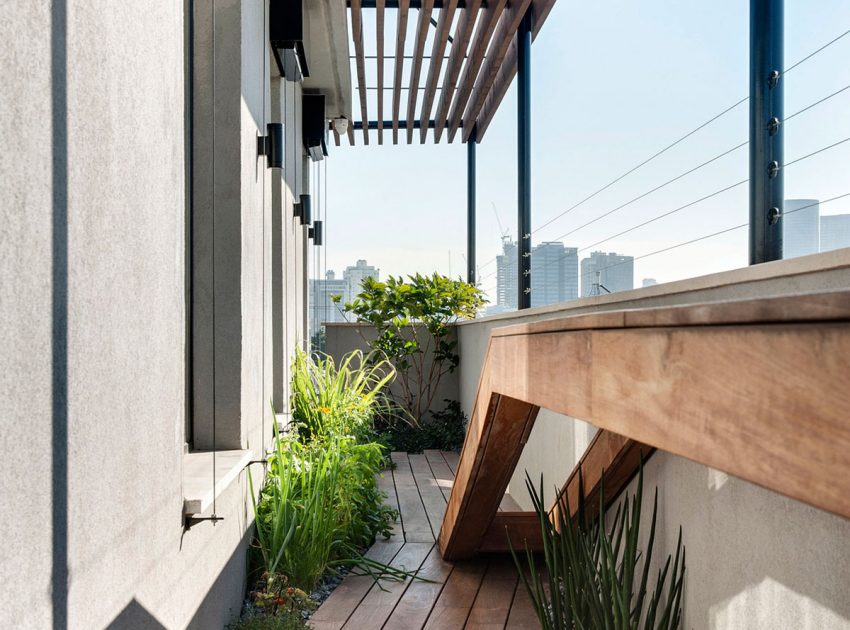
x=336, y=135
x=401, y=35
x=502, y=38
x=540, y=11
x=758, y=389
x=610, y=460
x=379, y=30
x=438, y=50
x=490, y=453
x=609, y=457
x=350, y=134
x=483, y=34
x=523, y=529
x=463, y=32
x=422, y=26
x=357, y=36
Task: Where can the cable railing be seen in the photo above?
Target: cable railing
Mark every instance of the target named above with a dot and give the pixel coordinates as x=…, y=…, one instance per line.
x=600, y=216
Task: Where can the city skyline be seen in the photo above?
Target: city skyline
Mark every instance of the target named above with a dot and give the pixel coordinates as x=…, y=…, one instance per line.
x=583, y=139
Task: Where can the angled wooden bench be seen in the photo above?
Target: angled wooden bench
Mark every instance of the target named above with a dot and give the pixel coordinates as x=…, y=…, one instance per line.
x=759, y=389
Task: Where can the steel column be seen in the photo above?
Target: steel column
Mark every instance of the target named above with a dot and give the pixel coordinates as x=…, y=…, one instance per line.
x=470, y=206
x=766, y=135
x=524, y=162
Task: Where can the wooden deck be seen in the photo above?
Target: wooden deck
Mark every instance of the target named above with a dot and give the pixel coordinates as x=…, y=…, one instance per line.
x=481, y=593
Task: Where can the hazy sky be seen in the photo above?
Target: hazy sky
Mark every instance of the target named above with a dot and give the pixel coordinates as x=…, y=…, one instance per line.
x=612, y=83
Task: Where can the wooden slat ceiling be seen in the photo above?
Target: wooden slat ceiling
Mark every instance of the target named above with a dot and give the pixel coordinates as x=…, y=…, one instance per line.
x=455, y=83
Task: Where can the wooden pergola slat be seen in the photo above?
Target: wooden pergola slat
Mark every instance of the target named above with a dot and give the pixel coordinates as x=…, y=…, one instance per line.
x=463, y=32
x=505, y=33
x=401, y=34
x=438, y=50
x=483, y=34
x=379, y=29
x=540, y=11
x=416, y=70
x=357, y=36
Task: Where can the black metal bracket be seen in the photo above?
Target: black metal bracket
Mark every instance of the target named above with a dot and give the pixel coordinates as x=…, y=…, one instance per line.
x=191, y=521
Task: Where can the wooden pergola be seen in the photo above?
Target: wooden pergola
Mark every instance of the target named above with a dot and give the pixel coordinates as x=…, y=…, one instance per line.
x=458, y=85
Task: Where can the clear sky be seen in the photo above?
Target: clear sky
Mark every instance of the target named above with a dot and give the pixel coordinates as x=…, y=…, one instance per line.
x=612, y=83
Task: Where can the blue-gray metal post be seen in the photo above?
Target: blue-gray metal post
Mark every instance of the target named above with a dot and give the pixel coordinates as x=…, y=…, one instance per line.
x=524, y=161
x=766, y=136
x=470, y=206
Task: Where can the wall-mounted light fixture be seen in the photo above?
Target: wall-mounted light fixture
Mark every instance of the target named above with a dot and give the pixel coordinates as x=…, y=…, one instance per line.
x=314, y=125
x=302, y=210
x=315, y=233
x=286, y=35
x=341, y=125
x=271, y=145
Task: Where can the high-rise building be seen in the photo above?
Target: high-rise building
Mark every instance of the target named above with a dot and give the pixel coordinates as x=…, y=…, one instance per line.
x=506, y=275
x=355, y=275
x=606, y=273
x=800, y=227
x=649, y=282
x=834, y=232
x=320, y=299
x=554, y=273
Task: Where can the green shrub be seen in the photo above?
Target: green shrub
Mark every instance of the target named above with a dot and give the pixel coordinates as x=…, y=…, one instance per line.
x=412, y=319
x=296, y=516
x=330, y=400
x=592, y=572
x=445, y=430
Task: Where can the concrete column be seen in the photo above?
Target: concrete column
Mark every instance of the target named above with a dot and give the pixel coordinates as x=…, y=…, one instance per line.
x=229, y=226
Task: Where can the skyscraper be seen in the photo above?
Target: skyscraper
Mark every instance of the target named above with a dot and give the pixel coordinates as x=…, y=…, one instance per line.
x=800, y=227
x=606, y=273
x=355, y=275
x=554, y=273
x=834, y=232
x=506, y=275
x=322, y=307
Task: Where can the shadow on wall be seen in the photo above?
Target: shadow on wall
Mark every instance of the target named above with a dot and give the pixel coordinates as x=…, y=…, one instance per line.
x=135, y=615
x=756, y=559
x=59, y=315
x=224, y=598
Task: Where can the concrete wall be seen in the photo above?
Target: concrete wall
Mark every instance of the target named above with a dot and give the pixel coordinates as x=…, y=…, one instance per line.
x=94, y=313
x=342, y=338
x=755, y=558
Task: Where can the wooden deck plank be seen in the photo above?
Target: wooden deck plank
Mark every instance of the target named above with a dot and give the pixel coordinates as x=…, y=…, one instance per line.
x=415, y=605
x=379, y=602
x=429, y=491
x=451, y=609
x=336, y=610
x=414, y=520
x=442, y=473
x=452, y=459
x=522, y=615
x=493, y=602
x=386, y=485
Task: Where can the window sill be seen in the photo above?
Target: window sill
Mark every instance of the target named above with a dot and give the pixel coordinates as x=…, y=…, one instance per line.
x=198, y=491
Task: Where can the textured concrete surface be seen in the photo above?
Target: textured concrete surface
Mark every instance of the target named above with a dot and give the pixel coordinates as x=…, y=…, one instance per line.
x=755, y=559
x=93, y=299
